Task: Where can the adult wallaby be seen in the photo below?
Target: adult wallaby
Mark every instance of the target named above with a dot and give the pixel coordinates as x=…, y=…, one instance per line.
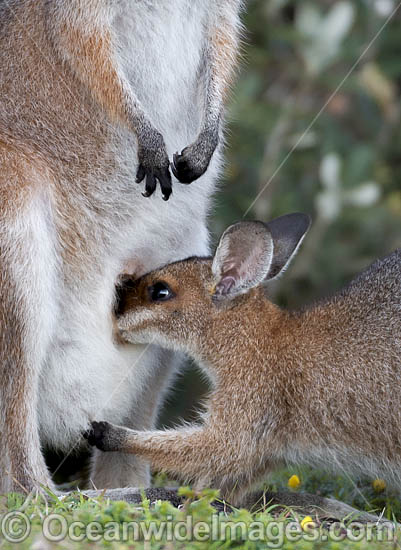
x=320, y=386
x=95, y=94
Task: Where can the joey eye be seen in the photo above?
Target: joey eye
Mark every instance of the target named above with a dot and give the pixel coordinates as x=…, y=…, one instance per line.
x=160, y=292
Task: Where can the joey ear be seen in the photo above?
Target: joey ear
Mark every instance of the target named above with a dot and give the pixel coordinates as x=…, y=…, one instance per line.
x=288, y=233
x=252, y=252
x=242, y=259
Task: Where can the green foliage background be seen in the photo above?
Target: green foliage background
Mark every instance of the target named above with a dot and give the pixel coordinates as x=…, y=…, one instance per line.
x=290, y=70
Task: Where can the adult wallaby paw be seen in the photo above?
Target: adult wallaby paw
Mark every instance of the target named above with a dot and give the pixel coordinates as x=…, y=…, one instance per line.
x=104, y=436
x=194, y=160
x=154, y=165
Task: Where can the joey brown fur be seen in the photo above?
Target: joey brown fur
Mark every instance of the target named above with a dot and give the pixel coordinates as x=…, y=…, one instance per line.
x=318, y=386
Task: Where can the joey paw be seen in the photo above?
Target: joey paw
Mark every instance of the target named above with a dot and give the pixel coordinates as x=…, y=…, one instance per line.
x=99, y=435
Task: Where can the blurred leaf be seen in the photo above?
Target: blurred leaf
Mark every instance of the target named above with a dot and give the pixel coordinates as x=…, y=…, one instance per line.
x=365, y=195
x=384, y=7
x=330, y=169
x=323, y=34
x=376, y=84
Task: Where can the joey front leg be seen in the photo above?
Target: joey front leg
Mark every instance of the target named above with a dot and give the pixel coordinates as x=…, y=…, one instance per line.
x=219, y=62
x=83, y=38
x=192, y=453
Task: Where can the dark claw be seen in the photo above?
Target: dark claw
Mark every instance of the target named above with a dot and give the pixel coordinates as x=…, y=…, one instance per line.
x=141, y=173
x=165, y=184
x=175, y=158
x=150, y=187
x=161, y=176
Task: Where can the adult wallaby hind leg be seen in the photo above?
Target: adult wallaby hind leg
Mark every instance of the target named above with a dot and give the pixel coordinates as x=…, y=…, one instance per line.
x=26, y=310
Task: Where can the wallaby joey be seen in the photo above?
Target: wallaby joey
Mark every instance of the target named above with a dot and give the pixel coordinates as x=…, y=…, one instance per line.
x=320, y=386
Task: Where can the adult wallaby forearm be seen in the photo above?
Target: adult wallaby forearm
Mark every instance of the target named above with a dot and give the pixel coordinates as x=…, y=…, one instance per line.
x=83, y=37
x=222, y=55
x=219, y=66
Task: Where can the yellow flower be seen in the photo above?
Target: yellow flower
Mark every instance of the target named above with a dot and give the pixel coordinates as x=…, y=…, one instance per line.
x=379, y=485
x=307, y=523
x=294, y=482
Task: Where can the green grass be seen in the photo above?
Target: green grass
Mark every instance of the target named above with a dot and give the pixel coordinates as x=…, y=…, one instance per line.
x=188, y=527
